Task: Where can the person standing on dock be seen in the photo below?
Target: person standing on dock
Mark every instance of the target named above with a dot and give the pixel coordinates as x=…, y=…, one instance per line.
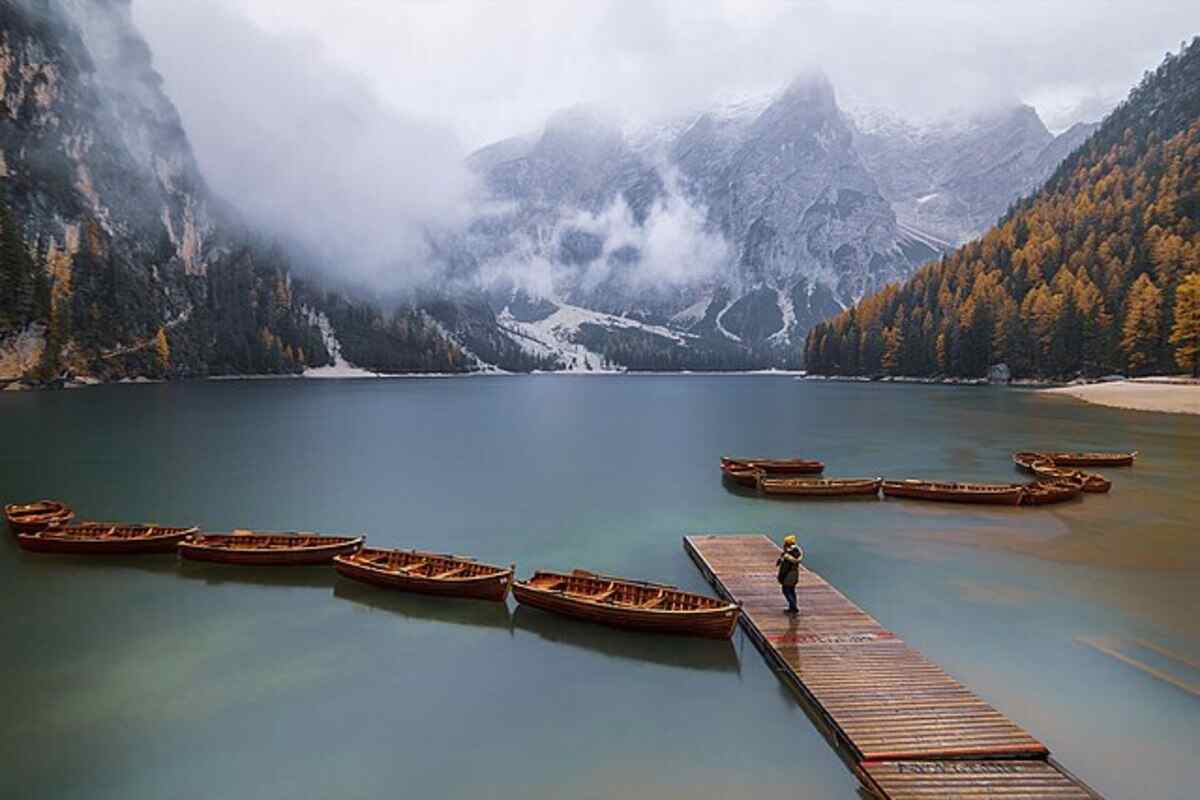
x=788, y=564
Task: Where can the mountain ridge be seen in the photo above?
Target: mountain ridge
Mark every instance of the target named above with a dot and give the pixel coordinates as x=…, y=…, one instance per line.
x=712, y=242
x=1090, y=275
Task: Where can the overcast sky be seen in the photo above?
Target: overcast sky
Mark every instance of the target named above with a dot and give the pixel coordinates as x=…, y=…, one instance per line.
x=489, y=69
x=344, y=124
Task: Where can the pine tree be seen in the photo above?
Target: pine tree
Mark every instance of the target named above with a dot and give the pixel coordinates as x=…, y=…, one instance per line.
x=1143, y=319
x=1185, y=333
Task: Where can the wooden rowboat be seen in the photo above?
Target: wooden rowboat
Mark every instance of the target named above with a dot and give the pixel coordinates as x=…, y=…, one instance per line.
x=101, y=538
x=1040, y=493
x=1092, y=459
x=1026, y=460
x=1008, y=494
x=622, y=603
x=781, y=466
x=427, y=573
x=820, y=487
x=1092, y=483
x=247, y=547
x=31, y=517
x=742, y=477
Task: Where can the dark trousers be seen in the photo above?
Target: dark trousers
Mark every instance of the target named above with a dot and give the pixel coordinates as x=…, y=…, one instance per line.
x=790, y=593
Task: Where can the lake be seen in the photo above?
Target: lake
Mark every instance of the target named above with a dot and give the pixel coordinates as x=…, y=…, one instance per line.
x=145, y=678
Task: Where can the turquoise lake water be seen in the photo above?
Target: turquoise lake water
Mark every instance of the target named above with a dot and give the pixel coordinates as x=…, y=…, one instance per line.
x=145, y=678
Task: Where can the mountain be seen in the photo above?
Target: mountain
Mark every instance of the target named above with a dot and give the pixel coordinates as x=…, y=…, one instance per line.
x=708, y=242
x=116, y=260
x=1082, y=277
x=715, y=243
x=954, y=177
x=721, y=239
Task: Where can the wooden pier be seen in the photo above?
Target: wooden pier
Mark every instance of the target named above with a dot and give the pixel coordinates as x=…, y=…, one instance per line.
x=905, y=726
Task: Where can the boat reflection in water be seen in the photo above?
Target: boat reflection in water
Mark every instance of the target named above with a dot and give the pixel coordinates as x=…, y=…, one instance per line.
x=715, y=655
x=453, y=610
x=315, y=576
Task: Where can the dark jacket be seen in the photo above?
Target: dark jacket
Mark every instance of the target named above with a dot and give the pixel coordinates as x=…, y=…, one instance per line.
x=789, y=565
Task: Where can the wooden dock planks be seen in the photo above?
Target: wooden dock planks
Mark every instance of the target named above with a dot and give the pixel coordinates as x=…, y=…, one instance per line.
x=911, y=729
x=930, y=780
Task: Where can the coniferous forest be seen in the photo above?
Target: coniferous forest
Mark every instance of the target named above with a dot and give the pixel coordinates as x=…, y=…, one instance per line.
x=1099, y=272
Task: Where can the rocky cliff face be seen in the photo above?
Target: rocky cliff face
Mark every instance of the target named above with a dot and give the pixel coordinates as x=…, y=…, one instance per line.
x=727, y=236
x=712, y=242
x=115, y=259
x=954, y=178
x=91, y=144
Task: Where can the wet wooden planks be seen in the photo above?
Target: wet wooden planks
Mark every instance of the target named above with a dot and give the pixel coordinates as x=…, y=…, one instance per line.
x=1014, y=780
x=883, y=700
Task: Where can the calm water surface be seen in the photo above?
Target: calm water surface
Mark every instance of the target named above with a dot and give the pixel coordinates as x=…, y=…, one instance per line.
x=143, y=678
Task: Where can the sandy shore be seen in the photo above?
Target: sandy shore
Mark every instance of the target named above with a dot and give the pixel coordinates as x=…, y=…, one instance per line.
x=1175, y=398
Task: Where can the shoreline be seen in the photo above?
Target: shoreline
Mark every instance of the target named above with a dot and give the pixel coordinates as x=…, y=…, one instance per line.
x=1161, y=395
x=355, y=374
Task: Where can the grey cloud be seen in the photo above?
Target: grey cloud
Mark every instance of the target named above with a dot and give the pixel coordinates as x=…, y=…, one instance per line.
x=341, y=122
x=305, y=147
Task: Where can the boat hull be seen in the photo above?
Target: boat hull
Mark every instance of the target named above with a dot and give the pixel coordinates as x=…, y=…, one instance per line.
x=1095, y=484
x=297, y=556
x=1092, y=459
x=22, y=518
x=742, y=477
x=1092, y=483
x=775, y=466
x=484, y=587
x=40, y=543
x=1045, y=493
x=707, y=623
x=817, y=489
x=1008, y=497
x=1027, y=461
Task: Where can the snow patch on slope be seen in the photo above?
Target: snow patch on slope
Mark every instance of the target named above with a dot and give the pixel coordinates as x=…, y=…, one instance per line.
x=555, y=336
x=693, y=313
x=788, y=309
x=477, y=363
x=727, y=334
x=924, y=238
x=341, y=368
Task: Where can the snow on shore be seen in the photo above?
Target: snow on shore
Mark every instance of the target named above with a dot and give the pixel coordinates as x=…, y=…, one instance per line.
x=1170, y=396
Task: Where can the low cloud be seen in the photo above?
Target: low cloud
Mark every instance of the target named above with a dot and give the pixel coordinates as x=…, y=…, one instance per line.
x=671, y=248
x=491, y=69
x=305, y=148
x=673, y=244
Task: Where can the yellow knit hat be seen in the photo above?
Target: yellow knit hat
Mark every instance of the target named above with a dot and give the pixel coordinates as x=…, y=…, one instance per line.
x=789, y=540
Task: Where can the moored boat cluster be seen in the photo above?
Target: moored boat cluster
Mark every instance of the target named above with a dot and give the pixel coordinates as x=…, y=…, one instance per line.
x=44, y=527
x=1057, y=480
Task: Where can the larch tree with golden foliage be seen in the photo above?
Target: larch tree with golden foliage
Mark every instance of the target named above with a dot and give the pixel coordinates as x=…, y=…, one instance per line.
x=162, y=351
x=1081, y=278
x=1185, y=333
x=1143, y=325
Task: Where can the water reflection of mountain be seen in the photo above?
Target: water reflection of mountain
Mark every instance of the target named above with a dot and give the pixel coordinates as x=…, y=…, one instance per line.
x=453, y=610
x=672, y=651
x=315, y=576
